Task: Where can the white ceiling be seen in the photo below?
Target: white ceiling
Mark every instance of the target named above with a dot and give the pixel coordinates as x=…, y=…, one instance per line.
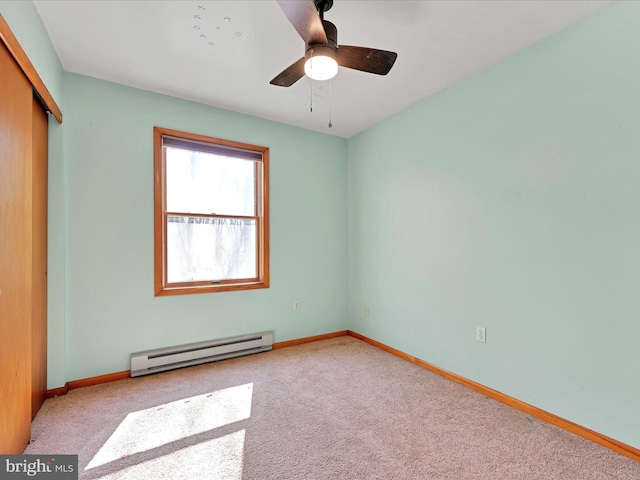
x=228, y=62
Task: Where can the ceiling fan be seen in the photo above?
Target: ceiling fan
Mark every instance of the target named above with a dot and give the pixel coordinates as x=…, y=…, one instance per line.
x=323, y=55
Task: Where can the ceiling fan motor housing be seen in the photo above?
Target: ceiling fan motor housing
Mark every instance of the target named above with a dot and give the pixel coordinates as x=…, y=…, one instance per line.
x=328, y=49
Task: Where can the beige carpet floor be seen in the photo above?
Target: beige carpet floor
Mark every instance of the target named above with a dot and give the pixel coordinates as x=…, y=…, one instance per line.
x=334, y=409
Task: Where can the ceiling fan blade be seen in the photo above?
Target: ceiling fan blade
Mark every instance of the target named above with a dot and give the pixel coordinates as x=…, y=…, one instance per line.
x=290, y=75
x=305, y=19
x=366, y=59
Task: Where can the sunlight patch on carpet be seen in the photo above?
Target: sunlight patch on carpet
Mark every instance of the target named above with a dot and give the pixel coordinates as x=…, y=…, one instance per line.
x=220, y=458
x=158, y=426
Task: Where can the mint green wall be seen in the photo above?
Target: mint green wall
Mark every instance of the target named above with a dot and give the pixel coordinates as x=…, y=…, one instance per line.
x=111, y=309
x=56, y=294
x=25, y=23
x=510, y=201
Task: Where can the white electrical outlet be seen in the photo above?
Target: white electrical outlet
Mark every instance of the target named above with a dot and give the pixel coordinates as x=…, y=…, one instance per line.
x=296, y=305
x=365, y=312
x=481, y=334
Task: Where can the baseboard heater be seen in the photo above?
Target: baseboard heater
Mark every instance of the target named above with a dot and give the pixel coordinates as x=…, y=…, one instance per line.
x=163, y=359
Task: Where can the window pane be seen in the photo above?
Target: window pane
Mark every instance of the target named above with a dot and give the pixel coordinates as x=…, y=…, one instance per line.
x=199, y=182
x=201, y=249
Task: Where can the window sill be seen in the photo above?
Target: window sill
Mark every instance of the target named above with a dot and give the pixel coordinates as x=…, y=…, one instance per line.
x=209, y=288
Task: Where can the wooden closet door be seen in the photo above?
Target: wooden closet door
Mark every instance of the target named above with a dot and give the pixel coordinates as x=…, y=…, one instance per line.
x=40, y=142
x=16, y=97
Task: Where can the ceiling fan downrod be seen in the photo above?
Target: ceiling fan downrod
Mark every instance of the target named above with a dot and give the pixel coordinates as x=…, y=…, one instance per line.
x=323, y=6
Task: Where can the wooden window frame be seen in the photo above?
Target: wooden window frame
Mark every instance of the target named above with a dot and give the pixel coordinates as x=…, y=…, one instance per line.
x=162, y=286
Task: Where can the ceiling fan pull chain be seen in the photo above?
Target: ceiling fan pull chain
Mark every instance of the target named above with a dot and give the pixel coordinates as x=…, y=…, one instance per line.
x=330, y=124
x=311, y=89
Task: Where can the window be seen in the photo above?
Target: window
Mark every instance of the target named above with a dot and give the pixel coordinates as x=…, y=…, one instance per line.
x=211, y=214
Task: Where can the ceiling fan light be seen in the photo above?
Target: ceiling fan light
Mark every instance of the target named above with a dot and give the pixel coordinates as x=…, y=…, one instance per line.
x=321, y=67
